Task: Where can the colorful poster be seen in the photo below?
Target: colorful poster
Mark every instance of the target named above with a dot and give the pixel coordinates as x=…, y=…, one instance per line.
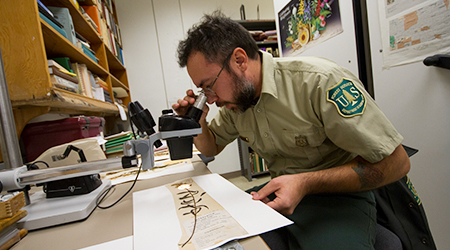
x=307, y=23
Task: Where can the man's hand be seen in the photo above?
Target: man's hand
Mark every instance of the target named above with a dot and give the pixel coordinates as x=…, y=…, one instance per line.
x=182, y=105
x=289, y=191
x=355, y=176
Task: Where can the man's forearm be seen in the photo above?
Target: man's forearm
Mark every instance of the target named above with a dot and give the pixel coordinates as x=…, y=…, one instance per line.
x=360, y=175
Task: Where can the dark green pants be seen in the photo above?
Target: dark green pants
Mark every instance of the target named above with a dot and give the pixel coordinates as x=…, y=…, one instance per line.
x=332, y=221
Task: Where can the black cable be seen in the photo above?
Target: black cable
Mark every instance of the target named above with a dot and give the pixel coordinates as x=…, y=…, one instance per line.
x=33, y=164
x=103, y=195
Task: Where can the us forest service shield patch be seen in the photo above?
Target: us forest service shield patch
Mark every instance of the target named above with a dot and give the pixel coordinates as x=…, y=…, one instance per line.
x=347, y=98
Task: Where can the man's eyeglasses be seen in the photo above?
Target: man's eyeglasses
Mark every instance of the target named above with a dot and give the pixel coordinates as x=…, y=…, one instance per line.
x=208, y=91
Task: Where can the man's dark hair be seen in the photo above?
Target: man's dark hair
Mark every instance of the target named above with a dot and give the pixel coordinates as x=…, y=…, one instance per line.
x=216, y=36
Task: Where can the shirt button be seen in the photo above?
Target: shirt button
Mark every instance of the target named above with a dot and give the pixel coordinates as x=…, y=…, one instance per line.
x=411, y=205
x=424, y=240
x=266, y=135
x=258, y=110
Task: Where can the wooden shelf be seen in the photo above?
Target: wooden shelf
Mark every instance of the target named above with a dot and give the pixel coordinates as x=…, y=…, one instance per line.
x=27, y=41
x=70, y=103
x=80, y=24
x=58, y=46
x=258, y=24
x=113, y=62
x=116, y=83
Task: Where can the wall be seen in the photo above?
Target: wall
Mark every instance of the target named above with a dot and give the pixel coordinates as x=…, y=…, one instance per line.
x=416, y=99
x=151, y=31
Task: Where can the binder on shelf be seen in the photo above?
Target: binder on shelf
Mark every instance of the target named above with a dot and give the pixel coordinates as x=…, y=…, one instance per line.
x=92, y=12
x=89, y=52
x=56, y=27
x=63, y=16
x=65, y=62
x=47, y=13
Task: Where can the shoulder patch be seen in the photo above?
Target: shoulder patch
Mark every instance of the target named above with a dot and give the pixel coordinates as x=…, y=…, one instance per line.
x=347, y=98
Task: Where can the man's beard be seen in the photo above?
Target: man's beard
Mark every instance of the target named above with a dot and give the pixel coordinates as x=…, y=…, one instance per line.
x=244, y=93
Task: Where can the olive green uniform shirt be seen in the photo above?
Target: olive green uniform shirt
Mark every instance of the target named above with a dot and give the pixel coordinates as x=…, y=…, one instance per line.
x=311, y=115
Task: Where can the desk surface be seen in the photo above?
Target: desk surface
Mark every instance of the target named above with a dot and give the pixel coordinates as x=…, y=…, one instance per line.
x=113, y=223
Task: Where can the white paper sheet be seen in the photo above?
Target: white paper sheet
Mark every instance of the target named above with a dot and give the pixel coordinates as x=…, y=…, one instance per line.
x=156, y=224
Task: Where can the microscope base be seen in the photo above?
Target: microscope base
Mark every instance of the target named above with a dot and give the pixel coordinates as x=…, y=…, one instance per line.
x=45, y=212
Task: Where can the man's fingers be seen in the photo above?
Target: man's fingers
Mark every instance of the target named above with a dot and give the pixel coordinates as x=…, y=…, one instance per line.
x=256, y=196
x=268, y=189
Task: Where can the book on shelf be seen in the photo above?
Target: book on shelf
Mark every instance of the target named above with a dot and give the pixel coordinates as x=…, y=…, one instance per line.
x=101, y=82
x=85, y=81
x=63, y=16
x=55, y=71
x=257, y=163
x=90, y=21
x=65, y=84
x=107, y=96
x=80, y=37
x=53, y=63
x=65, y=62
x=76, y=70
x=92, y=79
x=76, y=3
x=98, y=93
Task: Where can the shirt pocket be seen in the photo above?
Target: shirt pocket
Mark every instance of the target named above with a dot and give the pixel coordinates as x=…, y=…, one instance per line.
x=305, y=144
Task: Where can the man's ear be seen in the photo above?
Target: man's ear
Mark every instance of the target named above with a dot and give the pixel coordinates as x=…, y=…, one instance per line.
x=240, y=59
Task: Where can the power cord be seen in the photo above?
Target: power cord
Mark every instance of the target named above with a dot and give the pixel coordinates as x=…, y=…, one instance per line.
x=144, y=123
x=33, y=166
x=103, y=195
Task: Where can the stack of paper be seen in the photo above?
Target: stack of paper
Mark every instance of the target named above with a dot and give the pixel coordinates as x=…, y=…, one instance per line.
x=115, y=142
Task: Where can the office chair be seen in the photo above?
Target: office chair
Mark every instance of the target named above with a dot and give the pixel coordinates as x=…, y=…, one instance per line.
x=401, y=218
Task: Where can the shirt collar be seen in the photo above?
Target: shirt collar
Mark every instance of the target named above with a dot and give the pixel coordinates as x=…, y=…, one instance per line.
x=268, y=75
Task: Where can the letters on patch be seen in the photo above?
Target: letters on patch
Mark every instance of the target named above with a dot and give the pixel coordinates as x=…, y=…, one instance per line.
x=347, y=98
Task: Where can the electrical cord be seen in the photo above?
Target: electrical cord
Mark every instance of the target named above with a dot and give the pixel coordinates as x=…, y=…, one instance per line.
x=32, y=166
x=103, y=195
x=136, y=107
